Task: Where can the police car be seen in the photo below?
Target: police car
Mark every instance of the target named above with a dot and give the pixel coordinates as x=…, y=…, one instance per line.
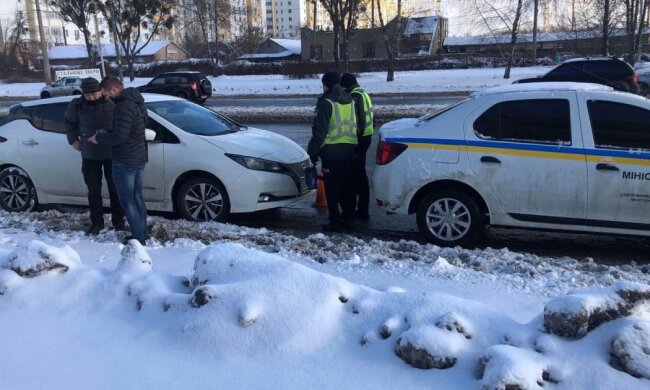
x=556, y=156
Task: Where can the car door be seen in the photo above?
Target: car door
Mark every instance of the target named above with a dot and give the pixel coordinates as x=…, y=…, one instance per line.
x=52, y=163
x=70, y=83
x=526, y=150
x=617, y=143
x=154, y=171
x=56, y=88
x=155, y=86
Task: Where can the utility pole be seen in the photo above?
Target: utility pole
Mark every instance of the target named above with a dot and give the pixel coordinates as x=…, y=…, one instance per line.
x=99, y=45
x=41, y=33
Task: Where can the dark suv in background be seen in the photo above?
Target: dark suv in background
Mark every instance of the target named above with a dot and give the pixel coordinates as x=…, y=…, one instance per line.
x=193, y=86
x=610, y=71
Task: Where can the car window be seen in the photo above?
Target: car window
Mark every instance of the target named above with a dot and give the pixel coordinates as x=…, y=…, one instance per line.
x=193, y=118
x=162, y=133
x=57, y=83
x=49, y=117
x=566, y=70
x=158, y=81
x=532, y=121
x=607, y=69
x=177, y=80
x=618, y=125
x=69, y=82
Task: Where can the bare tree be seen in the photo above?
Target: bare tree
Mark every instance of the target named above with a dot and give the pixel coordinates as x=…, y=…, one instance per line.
x=207, y=18
x=17, y=32
x=635, y=16
x=78, y=12
x=391, y=38
x=343, y=14
x=130, y=17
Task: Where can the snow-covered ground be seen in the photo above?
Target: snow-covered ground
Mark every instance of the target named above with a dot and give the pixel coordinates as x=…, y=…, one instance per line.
x=424, y=81
x=220, y=306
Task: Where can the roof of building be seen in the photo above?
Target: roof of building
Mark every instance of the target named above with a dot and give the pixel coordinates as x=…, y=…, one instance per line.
x=281, y=54
x=292, y=45
x=79, y=51
x=421, y=25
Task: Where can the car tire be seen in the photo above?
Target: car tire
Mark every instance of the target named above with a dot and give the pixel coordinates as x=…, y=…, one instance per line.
x=75, y=92
x=45, y=95
x=449, y=218
x=203, y=199
x=17, y=192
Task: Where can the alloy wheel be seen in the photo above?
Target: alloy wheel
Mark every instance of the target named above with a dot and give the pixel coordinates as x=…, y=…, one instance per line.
x=204, y=202
x=448, y=219
x=14, y=192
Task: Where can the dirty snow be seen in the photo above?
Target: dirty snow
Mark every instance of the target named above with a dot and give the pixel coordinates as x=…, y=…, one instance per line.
x=210, y=304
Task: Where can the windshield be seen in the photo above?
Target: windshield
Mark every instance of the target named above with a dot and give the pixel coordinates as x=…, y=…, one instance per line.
x=193, y=118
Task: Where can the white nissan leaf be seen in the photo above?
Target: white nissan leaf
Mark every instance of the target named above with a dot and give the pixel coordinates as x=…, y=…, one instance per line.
x=201, y=164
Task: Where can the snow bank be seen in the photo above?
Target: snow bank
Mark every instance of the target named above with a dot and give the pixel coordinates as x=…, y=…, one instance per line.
x=283, y=324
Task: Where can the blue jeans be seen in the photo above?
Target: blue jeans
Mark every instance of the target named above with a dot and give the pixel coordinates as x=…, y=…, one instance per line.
x=129, y=184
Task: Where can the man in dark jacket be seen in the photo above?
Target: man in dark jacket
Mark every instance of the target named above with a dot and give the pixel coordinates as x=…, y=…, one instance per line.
x=334, y=138
x=126, y=137
x=83, y=117
x=365, y=129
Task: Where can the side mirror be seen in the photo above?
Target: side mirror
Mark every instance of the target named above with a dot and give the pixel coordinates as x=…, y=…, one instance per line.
x=149, y=135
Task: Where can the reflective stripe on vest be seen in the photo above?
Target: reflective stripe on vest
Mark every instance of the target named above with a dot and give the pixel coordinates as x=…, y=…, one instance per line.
x=367, y=109
x=343, y=124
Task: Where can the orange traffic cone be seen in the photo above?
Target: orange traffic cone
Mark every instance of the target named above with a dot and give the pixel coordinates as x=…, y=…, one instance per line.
x=321, y=200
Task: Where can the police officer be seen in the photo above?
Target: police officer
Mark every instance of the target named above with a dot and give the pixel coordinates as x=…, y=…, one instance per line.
x=83, y=117
x=365, y=129
x=334, y=138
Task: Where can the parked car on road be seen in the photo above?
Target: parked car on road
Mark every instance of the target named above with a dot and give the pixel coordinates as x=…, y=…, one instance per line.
x=201, y=164
x=609, y=71
x=193, y=86
x=62, y=87
x=556, y=156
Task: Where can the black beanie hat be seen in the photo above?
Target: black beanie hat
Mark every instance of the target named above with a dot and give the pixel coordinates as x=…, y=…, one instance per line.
x=348, y=80
x=89, y=85
x=331, y=78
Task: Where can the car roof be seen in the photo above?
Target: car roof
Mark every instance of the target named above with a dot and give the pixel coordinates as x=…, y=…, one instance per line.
x=180, y=72
x=593, y=59
x=543, y=86
x=148, y=98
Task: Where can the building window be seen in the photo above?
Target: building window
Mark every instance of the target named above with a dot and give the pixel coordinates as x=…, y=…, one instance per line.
x=368, y=49
x=289, y=11
x=76, y=35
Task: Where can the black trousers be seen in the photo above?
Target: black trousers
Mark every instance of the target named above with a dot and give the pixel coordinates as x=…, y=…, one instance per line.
x=361, y=184
x=93, y=171
x=339, y=179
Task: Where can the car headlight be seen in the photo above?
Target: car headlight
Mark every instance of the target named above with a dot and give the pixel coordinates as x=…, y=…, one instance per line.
x=258, y=164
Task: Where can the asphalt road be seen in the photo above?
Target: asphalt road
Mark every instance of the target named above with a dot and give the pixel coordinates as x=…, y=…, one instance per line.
x=303, y=101
x=301, y=219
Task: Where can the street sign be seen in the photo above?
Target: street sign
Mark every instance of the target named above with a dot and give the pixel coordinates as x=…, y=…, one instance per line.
x=83, y=73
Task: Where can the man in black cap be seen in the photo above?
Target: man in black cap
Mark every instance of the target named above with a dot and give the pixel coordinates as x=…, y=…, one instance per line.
x=365, y=129
x=334, y=138
x=83, y=117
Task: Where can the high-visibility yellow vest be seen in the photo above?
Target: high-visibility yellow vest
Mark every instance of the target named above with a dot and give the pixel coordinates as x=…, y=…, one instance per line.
x=367, y=109
x=343, y=124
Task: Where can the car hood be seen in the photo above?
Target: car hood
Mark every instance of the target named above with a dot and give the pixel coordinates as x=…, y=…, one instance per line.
x=396, y=128
x=259, y=143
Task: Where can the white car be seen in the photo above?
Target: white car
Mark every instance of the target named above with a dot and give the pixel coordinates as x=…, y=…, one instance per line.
x=556, y=156
x=201, y=164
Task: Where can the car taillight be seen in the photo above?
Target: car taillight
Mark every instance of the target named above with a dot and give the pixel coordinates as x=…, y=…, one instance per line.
x=193, y=85
x=634, y=79
x=387, y=152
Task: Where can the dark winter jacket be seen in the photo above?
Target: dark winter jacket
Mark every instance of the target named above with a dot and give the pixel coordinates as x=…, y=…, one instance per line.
x=364, y=141
x=328, y=153
x=82, y=119
x=126, y=136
